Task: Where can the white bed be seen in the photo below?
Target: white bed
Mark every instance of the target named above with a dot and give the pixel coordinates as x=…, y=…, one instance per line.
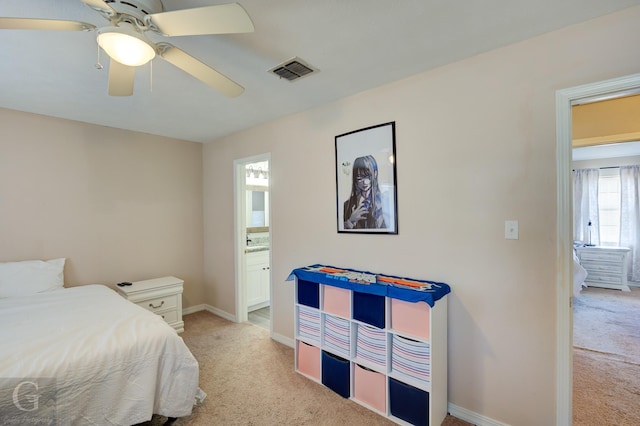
x=579, y=275
x=114, y=363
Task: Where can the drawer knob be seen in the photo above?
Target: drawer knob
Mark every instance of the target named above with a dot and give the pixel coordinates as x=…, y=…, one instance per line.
x=156, y=307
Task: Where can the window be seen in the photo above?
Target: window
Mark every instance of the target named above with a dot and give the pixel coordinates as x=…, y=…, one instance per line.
x=609, y=206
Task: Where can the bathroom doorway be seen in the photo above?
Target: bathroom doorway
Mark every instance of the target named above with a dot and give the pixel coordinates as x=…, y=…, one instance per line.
x=253, y=240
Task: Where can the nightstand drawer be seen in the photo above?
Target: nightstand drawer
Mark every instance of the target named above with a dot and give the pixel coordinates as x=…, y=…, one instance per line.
x=160, y=304
x=162, y=296
x=169, y=316
x=594, y=267
x=603, y=257
x=605, y=278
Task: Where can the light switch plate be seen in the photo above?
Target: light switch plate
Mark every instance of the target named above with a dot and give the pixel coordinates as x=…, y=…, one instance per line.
x=511, y=229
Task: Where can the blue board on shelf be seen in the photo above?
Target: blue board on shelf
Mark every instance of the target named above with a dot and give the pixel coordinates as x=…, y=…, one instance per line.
x=408, y=289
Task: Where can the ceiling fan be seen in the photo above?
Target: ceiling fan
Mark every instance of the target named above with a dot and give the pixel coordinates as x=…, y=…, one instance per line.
x=125, y=42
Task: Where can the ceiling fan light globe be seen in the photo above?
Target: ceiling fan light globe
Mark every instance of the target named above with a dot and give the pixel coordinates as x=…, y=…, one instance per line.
x=125, y=47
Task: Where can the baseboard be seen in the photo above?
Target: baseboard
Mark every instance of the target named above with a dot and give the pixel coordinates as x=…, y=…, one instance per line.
x=472, y=417
x=283, y=339
x=258, y=306
x=220, y=313
x=193, y=309
x=209, y=308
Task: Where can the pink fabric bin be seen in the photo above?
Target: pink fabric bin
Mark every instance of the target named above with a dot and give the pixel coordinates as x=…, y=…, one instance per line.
x=309, y=360
x=370, y=387
x=337, y=301
x=410, y=318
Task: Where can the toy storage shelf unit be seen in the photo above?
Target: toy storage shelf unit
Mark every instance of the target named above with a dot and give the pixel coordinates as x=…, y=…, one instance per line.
x=378, y=340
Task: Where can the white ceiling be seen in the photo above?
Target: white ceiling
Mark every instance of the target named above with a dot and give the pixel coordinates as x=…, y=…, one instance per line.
x=613, y=150
x=355, y=44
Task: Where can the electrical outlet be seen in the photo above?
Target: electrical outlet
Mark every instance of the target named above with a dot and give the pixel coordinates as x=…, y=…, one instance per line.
x=511, y=229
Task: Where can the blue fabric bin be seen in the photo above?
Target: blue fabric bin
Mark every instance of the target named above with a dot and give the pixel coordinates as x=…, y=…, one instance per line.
x=369, y=308
x=335, y=374
x=309, y=293
x=408, y=403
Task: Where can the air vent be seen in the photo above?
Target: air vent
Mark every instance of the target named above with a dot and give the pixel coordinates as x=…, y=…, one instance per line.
x=293, y=69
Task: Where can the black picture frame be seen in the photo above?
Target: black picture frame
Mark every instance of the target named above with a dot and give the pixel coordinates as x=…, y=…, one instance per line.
x=369, y=153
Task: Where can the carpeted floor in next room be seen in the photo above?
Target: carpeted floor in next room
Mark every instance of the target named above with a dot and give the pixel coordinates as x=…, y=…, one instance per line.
x=606, y=358
x=250, y=380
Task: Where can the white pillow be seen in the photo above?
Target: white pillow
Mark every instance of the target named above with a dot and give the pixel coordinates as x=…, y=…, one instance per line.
x=30, y=276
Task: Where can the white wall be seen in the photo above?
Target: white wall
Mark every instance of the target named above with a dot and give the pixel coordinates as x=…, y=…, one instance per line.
x=475, y=147
x=119, y=205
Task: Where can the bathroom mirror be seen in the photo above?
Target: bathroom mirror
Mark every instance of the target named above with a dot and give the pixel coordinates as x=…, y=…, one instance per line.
x=257, y=206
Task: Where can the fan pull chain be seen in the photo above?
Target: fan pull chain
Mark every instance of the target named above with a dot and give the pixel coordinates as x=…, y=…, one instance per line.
x=98, y=64
x=151, y=76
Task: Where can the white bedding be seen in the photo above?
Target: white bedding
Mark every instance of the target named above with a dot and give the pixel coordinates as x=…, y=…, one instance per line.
x=114, y=362
x=579, y=275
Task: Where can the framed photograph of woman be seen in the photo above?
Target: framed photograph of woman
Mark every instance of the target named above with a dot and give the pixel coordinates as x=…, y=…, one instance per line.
x=366, y=180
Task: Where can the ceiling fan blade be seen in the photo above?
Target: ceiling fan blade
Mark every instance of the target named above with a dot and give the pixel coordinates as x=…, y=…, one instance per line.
x=121, y=79
x=202, y=72
x=220, y=19
x=43, y=24
x=99, y=5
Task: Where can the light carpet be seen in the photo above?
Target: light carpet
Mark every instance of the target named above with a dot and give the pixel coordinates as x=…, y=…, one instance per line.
x=606, y=358
x=250, y=380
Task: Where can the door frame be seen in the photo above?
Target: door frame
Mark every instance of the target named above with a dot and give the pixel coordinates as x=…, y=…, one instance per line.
x=565, y=98
x=240, y=235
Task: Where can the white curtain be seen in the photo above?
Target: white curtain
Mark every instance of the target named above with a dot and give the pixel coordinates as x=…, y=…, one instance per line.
x=585, y=206
x=630, y=216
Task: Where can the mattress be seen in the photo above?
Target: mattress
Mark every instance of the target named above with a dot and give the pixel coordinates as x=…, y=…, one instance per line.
x=86, y=356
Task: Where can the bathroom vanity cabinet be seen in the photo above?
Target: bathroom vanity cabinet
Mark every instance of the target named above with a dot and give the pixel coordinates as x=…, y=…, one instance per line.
x=258, y=277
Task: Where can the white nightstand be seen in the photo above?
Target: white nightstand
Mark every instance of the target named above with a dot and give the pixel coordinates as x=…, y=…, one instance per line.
x=162, y=296
x=606, y=266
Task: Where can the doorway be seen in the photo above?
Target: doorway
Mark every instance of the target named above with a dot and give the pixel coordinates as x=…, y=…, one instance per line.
x=253, y=240
x=564, y=239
